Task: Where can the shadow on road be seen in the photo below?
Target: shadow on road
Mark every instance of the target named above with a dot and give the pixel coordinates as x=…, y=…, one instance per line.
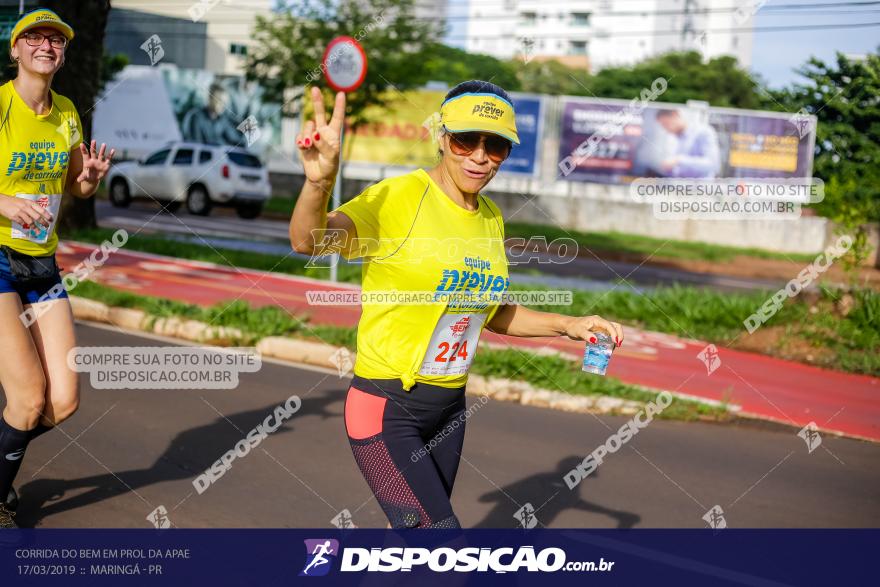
x=549, y=496
x=188, y=455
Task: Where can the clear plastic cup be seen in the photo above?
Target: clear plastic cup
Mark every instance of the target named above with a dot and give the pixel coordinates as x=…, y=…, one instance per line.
x=597, y=354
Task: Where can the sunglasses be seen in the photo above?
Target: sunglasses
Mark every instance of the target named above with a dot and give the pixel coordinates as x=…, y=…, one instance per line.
x=464, y=143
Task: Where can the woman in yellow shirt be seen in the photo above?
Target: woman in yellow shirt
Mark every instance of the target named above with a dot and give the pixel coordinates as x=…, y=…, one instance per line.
x=43, y=157
x=425, y=237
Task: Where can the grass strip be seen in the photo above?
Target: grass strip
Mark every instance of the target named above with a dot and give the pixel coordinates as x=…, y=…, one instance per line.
x=265, y=321
x=848, y=342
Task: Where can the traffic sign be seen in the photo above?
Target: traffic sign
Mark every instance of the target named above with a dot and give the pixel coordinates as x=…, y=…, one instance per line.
x=345, y=64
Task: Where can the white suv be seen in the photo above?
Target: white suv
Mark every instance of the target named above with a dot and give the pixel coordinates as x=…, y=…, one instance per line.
x=200, y=175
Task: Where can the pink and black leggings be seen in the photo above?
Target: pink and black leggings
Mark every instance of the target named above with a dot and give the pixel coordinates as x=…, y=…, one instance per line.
x=407, y=445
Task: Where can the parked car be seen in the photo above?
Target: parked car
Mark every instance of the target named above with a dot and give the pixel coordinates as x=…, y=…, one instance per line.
x=202, y=176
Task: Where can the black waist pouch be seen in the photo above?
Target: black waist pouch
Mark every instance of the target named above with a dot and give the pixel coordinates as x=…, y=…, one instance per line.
x=30, y=269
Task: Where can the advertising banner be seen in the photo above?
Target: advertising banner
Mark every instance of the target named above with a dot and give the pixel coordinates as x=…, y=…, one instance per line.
x=675, y=141
x=397, y=136
x=524, y=157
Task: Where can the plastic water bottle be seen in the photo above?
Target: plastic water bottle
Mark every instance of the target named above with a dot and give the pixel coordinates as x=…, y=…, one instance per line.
x=598, y=354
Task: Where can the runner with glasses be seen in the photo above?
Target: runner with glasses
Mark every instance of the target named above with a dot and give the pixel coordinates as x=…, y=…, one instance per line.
x=43, y=157
x=424, y=233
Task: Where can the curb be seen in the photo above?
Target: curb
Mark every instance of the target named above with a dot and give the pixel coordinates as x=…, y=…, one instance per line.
x=326, y=355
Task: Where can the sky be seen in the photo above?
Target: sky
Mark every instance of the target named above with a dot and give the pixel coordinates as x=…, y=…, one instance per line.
x=775, y=55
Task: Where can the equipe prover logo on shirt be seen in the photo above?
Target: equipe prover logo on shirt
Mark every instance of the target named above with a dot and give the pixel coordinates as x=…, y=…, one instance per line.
x=43, y=162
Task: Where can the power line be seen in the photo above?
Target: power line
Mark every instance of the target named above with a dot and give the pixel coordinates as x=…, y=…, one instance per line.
x=794, y=28
x=775, y=10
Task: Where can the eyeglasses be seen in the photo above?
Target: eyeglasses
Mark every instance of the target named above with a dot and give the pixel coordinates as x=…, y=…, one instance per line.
x=464, y=143
x=36, y=39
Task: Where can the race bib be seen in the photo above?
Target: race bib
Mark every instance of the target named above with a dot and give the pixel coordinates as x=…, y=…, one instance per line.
x=38, y=233
x=453, y=344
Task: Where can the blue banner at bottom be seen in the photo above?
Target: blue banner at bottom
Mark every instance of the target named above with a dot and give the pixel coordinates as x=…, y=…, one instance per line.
x=436, y=557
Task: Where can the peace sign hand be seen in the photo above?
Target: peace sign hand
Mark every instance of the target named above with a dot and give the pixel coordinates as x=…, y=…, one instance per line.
x=319, y=142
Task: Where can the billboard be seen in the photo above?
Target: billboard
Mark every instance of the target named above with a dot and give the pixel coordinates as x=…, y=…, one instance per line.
x=524, y=158
x=211, y=108
x=146, y=107
x=677, y=141
x=397, y=136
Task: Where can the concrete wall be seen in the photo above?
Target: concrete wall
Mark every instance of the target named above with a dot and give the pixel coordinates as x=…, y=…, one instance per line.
x=612, y=210
x=601, y=208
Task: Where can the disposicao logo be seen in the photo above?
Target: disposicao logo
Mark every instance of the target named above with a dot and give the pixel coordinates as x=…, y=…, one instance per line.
x=320, y=554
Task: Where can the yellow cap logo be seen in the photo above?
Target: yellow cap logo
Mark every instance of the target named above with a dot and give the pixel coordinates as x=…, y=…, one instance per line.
x=480, y=112
x=488, y=110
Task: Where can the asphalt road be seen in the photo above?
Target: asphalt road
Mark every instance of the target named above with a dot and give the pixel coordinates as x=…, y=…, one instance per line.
x=127, y=452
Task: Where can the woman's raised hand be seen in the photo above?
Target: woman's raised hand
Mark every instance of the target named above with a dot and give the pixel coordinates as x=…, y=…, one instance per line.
x=319, y=140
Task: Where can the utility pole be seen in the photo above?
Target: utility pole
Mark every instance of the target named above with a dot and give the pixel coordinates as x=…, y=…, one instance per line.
x=688, y=31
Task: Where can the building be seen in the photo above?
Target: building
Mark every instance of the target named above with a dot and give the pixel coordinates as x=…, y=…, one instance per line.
x=430, y=9
x=182, y=41
x=602, y=33
x=202, y=34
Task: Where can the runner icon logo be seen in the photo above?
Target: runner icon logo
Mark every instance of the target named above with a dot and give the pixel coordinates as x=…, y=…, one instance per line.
x=342, y=360
x=320, y=554
x=159, y=518
x=710, y=358
x=343, y=520
x=810, y=434
x=715, y=518
x=526, y=516
x=153, y=48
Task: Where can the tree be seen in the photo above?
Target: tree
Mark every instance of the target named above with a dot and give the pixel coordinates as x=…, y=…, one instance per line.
x=720, y=81
x=845, y=98
x=110, y=66
x=291, y=44
x=453, y=66
x=80, y=80
x=553, y=77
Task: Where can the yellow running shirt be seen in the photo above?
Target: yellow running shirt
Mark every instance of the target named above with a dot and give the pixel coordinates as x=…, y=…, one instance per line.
x=34, y=157
x=415, y=239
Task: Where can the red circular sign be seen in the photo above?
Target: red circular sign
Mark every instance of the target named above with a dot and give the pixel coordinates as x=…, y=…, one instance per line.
x=345, y=64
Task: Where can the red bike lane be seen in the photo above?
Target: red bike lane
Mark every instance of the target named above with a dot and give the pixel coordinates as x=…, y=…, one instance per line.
x=756, y=385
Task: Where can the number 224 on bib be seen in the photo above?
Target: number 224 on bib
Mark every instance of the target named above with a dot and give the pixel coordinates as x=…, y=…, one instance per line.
x=453, y=344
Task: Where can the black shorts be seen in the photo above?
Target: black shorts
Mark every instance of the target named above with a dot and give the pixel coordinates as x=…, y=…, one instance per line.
x=30, y=293
x=407, y=445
